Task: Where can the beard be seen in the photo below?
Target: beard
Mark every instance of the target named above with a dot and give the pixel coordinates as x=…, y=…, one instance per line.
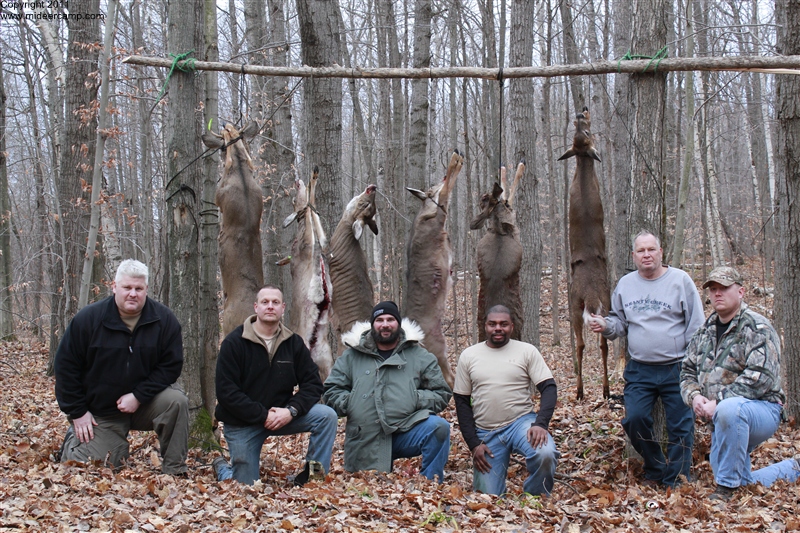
x=391, y=339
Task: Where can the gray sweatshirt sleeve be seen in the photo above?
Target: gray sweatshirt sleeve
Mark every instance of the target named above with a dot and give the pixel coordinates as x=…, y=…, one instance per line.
x=616, y=322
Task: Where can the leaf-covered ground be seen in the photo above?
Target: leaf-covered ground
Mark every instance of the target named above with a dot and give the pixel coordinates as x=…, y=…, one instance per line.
x=597, y=489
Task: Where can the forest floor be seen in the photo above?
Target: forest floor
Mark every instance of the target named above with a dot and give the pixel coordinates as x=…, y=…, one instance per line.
x=598, y=487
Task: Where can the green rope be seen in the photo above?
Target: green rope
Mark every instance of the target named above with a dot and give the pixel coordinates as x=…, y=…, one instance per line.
x=182, y=62
x=660, y=55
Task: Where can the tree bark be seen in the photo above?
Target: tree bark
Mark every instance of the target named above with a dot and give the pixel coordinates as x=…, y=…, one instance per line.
x=184, y=193
x=209, y=229
x=789, y=208
x=6, y=308
x=688, y=156
x=76, y=157
x=321, y=47
x=523, y=124
x=97, y=171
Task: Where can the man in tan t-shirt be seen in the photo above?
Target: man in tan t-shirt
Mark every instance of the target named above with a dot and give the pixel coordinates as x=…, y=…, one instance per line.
x=494, y=403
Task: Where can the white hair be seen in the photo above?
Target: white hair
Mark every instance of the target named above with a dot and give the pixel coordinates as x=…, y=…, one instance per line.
x=645, y=233
x=132, y=268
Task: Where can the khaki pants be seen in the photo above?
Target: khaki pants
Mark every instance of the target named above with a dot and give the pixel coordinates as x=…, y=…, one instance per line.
x=167, y=414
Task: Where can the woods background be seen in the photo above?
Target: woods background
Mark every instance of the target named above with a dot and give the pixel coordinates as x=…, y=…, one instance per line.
x=96, y=151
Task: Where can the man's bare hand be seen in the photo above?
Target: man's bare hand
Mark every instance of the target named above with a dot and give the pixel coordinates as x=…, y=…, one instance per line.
x=537, y=436
x=128, y=403
x=480, y=460
x=597, y=323
x=277, y=417
x=703, y=407
x=84, y=427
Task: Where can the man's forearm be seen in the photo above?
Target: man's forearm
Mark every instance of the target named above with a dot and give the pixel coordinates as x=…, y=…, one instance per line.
x=466, y=420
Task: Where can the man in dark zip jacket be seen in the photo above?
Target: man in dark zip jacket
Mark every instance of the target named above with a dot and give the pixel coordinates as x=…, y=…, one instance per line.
x=259, y=365
x=116, y=369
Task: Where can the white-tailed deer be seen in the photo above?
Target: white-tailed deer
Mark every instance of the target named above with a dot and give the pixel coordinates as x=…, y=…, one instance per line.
x=500, y=253
x=311, y=283
x=353, y=297
x=588, y=292
x=429, y=261
x=239, y=200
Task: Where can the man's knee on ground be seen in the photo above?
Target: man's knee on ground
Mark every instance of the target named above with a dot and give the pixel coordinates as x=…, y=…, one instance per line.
x=442, y=430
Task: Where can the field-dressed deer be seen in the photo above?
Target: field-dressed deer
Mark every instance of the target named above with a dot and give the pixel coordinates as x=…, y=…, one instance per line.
x=500, y=253
x=352, y=289
x=311, y=284
x=429, y=261
x=239, y=200
x=588, y=292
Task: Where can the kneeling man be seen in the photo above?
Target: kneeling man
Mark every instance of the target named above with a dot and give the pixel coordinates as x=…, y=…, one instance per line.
x=260, y=363
x=493, y=393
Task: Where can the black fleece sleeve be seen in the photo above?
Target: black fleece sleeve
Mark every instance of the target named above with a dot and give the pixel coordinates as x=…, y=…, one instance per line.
x=466, y=420
x=547, y=405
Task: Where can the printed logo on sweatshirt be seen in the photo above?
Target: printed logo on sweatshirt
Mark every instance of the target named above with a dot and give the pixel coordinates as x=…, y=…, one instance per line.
x=647, y=304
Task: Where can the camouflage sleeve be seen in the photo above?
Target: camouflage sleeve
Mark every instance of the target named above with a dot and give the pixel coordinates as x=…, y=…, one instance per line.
x=761, y=369
x=690, y=387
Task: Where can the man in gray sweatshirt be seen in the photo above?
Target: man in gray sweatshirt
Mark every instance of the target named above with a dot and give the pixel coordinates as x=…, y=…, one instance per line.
x=659, y=309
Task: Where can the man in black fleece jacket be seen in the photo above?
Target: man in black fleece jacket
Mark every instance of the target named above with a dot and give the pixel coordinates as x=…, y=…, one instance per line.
x=259, y=365
x=116, y=369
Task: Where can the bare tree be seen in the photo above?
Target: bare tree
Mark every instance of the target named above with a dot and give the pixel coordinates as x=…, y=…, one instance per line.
x=77, y=159
x=321, y=46
x=184, y=193
x=788, y=263
x=6, y=309
x=523, y=126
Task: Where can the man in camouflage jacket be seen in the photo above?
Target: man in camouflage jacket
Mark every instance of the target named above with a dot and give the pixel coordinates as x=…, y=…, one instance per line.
x=731, y=376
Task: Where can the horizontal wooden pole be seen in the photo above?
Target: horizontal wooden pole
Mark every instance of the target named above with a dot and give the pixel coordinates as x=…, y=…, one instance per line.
x=787, y=64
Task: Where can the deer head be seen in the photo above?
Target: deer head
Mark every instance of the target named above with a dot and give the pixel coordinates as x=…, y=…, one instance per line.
x=582, y=142
x=438, y=197
x=362, y=208
x=498, y=206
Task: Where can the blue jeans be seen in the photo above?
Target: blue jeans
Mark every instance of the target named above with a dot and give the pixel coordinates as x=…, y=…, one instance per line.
x=643, y=384
x=431, y=439
x=513, y=438
x=740, y=425
x=245, y=442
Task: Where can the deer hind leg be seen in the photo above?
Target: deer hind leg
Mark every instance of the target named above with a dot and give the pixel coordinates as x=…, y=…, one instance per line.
x=604, y=352
x=577, y=326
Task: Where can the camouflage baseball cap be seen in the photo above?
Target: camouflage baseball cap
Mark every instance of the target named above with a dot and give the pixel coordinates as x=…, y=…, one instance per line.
x=725, y=276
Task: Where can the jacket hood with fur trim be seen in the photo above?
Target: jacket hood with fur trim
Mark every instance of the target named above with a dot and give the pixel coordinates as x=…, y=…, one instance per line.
x=410, y=331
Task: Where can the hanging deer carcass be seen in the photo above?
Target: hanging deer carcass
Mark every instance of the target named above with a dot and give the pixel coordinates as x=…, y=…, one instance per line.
x=429, y=261
x=311, y=284
x=500, y=253
x=352, y=289
x=240, y=204
x=588, y=291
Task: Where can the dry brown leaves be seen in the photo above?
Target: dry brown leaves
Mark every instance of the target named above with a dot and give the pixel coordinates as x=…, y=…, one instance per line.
x=597, y=489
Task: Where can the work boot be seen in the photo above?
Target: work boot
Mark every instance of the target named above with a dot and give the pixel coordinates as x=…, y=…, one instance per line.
x=312, y=471
x=723, y=493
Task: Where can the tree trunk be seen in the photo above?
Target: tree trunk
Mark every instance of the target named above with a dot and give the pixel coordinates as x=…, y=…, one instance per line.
x=321, y=47
x=184, y=193
x=555, y=227
x=688, y=156
x=621, y=144
x=6, y=308
x=76, y=158
x=788, y=264
x=209, y=230
x=523, y=124
x=97, y=171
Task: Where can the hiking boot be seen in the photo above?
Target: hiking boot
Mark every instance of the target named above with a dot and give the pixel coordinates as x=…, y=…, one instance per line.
x=650, y=483
x=312, y=471
x=722, y=493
